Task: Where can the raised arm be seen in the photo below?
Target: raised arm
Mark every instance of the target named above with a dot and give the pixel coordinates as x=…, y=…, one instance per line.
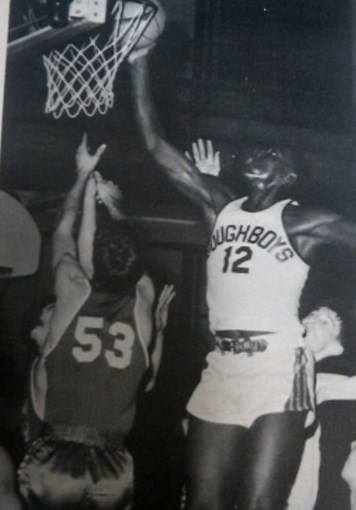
x=161, y=319
x=337, y=230
x=87, y=229
x=207, y=161
x=182, y=172
x=63, y=240
x=310, y=228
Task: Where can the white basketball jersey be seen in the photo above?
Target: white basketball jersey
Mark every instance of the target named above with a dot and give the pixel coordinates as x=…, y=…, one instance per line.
x=254, y=275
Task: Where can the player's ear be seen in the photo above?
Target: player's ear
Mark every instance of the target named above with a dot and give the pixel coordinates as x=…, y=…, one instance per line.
x=290, y=178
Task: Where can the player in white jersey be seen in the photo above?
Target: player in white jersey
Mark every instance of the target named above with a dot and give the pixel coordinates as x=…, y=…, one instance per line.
x=248, y=414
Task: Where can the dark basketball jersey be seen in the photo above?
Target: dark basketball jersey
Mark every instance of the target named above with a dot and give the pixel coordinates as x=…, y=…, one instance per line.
x=94, y=371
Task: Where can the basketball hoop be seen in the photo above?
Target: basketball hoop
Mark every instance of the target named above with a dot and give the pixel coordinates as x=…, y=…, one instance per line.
x=81, y=79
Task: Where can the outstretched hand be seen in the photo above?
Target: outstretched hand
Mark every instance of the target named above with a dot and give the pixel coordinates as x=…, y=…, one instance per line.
x=205, y=158
x=85, y=161
x=109, y=194
x=161, y=312
x=139, y=53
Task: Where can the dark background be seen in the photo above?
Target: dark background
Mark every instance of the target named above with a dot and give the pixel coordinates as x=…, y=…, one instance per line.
x=238, y=72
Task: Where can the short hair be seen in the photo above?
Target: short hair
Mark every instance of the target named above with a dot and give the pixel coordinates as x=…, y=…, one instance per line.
x=116, y=259
x=283, y=155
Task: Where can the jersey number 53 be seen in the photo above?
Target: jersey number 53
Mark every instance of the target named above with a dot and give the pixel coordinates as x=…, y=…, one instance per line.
x=87, y=334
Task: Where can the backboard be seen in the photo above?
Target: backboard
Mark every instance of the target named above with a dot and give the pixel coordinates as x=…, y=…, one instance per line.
x=30, y=28
x=4, y=17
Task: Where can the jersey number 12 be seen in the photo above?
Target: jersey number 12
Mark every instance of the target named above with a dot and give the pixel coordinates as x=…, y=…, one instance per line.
x=237, y=264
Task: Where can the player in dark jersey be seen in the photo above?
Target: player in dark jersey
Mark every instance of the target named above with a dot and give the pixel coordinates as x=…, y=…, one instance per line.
x=93, y=354
x=257, y=458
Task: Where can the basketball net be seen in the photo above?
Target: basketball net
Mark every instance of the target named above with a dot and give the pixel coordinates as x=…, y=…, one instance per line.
x=81, y=79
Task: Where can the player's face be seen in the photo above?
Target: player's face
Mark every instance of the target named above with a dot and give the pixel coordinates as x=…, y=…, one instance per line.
x=323, y=330
x=265, y=170
x=41, y=330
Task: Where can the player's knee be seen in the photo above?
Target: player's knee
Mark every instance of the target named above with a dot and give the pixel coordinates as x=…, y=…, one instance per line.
x=264, y=502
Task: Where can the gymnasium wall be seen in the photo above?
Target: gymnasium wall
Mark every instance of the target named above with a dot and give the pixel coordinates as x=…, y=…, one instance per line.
x=223, y=69
x=199, y=91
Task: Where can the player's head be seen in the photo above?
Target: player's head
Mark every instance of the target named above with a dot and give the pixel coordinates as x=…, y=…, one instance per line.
x=117, y=263
x=270, y=167
x=323, y=333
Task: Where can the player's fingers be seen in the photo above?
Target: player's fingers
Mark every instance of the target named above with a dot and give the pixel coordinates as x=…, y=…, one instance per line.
x=170, y=289
x=202, y=148
x=165, y=295
x=98, y=177
x=169, y=295
x=188, y=155
x=160, y=298
x=136, y=54
x=100, y=151
x=83, y=143
x=217, y=160
x=210, y=150
x=196, y=153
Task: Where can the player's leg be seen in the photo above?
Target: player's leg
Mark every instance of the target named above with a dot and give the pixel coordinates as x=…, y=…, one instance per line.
x=8, y=497
x=214, y=460
x=274, y=454
x=115, y=487
x=45, y=480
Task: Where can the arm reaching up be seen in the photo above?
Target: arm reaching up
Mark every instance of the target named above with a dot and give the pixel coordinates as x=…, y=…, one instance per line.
x=179, y=169
x=87, y=229
x=63, y=241
x=161, y=319
x=205, y=158
x=207, y=161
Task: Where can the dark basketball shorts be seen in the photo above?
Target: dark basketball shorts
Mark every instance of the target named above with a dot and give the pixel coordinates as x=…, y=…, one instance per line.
x=75, y=467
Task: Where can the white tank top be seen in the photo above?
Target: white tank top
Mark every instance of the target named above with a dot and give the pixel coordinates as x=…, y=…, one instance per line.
x=254, y=275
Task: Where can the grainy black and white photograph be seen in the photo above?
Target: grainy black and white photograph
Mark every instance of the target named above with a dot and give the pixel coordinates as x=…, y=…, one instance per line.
x=178, y=255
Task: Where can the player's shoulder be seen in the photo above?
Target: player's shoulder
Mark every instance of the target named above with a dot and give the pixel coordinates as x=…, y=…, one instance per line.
x=233, y=205
x=145, y=288
x=299, y=217
x=70, y=279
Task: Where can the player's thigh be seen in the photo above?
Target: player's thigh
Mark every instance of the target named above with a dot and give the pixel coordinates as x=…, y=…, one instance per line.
x=215, y=455
x=112, y=492
x=274, y=454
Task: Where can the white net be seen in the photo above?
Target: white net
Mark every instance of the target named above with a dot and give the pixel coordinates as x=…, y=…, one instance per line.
x=81, y=79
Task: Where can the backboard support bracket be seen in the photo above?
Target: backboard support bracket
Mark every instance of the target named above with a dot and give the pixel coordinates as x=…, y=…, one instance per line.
x=47, y=37
x=91, y=10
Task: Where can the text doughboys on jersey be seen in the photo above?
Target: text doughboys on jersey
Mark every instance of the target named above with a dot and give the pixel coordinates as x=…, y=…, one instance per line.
x=262, y=237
